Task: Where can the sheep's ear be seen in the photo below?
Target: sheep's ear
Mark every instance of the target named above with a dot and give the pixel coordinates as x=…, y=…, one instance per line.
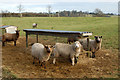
x=100, y=36
x=46, y=46
x=95, y=36
x=51, y=46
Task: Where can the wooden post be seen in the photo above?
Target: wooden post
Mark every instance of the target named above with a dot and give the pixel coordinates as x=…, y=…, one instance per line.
x=88, y=44
x=37, y=38
x=26, y=39
x=56, y=39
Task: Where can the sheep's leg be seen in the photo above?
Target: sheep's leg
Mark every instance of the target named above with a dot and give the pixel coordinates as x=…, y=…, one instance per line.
x=93, y=54
x=55, y=56
x=3, y=43
x=73, y=61
x=41, y=64
x=44, y=65
x=69, y=42
x=14, y=43
x=76, y=59
x=70, y=60
x=34, y=60
x=54, y=60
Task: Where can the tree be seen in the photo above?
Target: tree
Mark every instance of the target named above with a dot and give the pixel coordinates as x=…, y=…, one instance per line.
x=49, y=8
x=98, y=12
x=20, y=9
x=5, y=13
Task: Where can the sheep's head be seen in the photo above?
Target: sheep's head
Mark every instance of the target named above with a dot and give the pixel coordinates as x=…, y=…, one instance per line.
x=98, y=39
x=34, y=24
x=77, y=45
x=17, y=31
x=48, y=48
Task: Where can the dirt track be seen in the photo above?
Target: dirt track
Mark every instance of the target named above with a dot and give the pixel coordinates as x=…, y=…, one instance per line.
x=19, y=61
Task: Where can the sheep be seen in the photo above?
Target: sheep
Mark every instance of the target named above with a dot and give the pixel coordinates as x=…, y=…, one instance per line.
x=10, y=37
x=41, y=52
x=34, y=25
x=72, y=39
x=94, y=45
x=66, y=50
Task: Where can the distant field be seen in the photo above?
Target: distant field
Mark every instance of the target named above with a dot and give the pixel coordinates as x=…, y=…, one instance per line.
x=105, y=26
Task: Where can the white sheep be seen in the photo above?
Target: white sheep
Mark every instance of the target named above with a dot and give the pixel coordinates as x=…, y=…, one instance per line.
x=94, y=45
x=67, y=50
x=41, y=52
x=34, y=25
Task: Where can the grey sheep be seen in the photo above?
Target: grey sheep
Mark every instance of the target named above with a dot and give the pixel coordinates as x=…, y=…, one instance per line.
x=41, y=52
x=66, y=50
x=94, y=45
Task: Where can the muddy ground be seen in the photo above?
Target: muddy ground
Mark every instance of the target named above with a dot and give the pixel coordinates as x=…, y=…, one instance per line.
x=18, y=61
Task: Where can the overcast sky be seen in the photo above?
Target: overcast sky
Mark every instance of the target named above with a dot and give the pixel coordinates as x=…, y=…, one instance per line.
x=107, y=6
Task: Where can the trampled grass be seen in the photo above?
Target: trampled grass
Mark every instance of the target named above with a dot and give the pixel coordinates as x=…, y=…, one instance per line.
x=105, y=26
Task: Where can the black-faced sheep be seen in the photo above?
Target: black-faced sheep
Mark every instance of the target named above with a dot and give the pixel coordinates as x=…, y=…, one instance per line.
x=34, y=25
x=41, y=52
x=67, y=50
x=94, y=45
x=73, y=39
x=10, y=37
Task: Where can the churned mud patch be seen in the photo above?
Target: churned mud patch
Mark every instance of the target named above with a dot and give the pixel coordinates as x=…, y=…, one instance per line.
x=17, y=59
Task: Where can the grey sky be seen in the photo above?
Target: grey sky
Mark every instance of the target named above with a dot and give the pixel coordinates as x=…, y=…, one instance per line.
x=107, y=6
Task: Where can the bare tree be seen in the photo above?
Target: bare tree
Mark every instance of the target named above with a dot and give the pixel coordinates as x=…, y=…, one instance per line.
x=98, y=12
x=4, y=11
x=20, y=9
x=49, y=8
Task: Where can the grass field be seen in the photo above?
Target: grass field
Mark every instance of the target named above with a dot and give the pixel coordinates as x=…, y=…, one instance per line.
x=105, y=26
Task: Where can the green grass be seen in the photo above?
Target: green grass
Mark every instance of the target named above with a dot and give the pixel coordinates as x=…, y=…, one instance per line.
x=105, y=26
x=7, y=74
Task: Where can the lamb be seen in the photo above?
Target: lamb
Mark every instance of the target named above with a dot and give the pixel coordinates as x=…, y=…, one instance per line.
x=41, y=52
x=94, y=45
x=67, y=50
x=10, y=37
x=72, y=39
x=34, y=25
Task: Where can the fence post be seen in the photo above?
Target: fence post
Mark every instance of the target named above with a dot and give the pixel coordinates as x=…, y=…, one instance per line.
x=88, y=44
x=37, y=37
x=26, y=39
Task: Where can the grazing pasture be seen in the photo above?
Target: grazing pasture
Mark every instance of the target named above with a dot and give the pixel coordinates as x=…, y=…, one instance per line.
x=18, y=60
x=105, y=26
